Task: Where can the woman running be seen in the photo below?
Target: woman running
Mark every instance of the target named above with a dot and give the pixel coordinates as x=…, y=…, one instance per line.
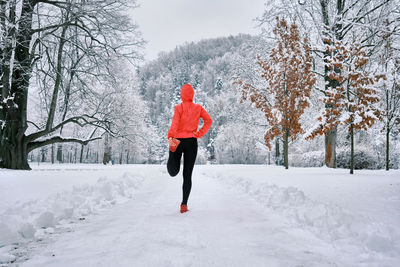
x=182, y=138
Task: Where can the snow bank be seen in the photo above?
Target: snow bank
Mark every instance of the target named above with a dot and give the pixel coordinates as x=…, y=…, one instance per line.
x=327, y=221
x=33, y=219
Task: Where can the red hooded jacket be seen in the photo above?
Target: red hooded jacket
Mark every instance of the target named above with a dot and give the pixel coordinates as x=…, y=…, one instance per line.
x=187, y=116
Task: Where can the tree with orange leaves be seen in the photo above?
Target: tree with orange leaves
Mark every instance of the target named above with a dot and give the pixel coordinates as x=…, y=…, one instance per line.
x=355, y=99
x=289, y=81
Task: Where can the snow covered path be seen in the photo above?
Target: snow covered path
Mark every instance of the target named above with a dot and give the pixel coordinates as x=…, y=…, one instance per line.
x=239, y=216
x=223, y=228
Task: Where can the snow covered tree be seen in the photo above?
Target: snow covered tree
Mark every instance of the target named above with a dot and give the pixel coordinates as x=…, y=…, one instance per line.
x=353, y=102
x=326, y=21
x=37, y=36
x=390, y=65
x=289, y=82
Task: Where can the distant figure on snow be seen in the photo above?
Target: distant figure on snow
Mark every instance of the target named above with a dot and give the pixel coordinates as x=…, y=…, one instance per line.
x=182, y=138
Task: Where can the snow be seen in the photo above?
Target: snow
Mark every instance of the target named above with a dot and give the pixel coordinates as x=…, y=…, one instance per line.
x=240, y=215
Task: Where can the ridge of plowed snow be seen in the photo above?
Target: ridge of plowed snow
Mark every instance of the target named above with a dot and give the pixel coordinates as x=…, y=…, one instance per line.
x=32, y=220
x=329, y=222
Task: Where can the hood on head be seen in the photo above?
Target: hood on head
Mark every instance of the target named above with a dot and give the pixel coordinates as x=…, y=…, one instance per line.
x=187, y=93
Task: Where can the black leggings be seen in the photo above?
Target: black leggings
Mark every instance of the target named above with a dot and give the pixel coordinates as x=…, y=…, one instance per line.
x=187, y=146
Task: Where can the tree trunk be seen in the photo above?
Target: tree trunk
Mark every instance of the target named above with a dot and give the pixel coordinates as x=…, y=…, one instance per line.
x=75, y=155
x=43, y=151
x=330, y=137
x=286, y=149
x=59, y=153
x=52, y=154
x=13, y=146
x=387, y=147
x=351, y=148
x=330, y=148
x=81, y=156
x=14, y=154
x=277, y=152
x=106, y=156
x=127, y=157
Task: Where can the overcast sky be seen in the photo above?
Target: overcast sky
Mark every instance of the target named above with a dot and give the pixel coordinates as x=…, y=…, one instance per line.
x=168, y=23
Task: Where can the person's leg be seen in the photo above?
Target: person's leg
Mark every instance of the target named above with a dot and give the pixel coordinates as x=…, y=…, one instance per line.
x=174, y=161
x=189, y=158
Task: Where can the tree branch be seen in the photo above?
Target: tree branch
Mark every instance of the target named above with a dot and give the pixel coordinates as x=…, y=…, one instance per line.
x=75, y=120
x=56, y=26
x=321, y=75
x=34, y=124
x=58, y=139
x=349, y=26
x=51, y=2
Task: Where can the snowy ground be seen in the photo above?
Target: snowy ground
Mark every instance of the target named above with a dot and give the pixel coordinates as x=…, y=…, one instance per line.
x=240, y=215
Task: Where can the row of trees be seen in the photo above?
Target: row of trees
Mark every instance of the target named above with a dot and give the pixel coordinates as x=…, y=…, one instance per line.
x=357, y=43
x=328, y=21
x=289, y=77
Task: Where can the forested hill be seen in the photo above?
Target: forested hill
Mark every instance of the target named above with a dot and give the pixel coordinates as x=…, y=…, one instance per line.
x=209, y=65
x=200, y=64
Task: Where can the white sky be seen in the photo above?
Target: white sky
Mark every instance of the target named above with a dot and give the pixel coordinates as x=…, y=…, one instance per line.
x=166, y=24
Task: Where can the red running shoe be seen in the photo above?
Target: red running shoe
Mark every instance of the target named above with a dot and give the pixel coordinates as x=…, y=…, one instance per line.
x=173, y=144
x=184, y=208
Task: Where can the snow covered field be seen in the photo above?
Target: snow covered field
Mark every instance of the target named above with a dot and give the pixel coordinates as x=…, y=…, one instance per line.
x=240, y=215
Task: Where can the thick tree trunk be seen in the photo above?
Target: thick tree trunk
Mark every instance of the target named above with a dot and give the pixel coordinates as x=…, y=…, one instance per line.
x=387, y=147
x=351, y=149
x=13, y=146
x=330, y=148
x=286, y=149
x=14, y=154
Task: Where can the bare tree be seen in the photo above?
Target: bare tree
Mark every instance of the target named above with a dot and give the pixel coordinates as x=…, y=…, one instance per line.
x=389, y=59
x=37, y=38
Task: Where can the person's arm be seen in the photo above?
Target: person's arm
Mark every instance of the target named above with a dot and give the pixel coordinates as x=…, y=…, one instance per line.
x=175, y=123
x=207, y=123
